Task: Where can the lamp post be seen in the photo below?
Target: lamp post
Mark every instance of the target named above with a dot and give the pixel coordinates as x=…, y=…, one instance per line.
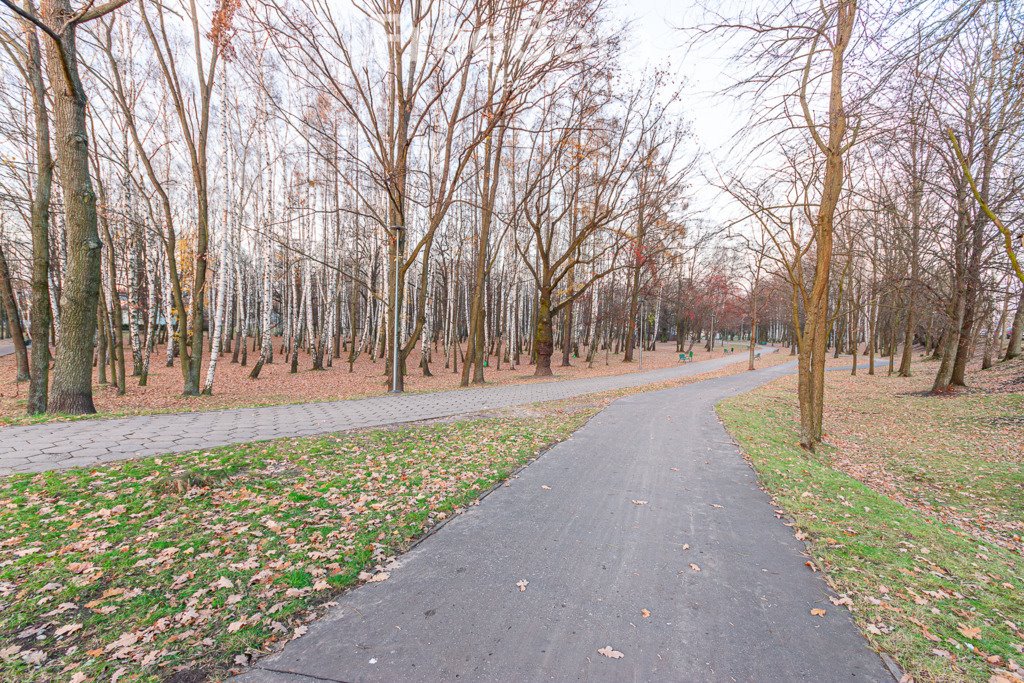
x=396, y=369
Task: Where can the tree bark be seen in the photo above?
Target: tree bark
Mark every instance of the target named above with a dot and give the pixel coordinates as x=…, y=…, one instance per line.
x=13, y=318
x=72, y=375
x=1013, y=349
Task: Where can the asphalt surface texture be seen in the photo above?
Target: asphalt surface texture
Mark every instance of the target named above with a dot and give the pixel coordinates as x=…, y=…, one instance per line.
x=645, y=531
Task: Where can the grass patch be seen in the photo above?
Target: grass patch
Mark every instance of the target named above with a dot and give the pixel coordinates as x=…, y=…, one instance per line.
x=190, y=563
x=928, y=585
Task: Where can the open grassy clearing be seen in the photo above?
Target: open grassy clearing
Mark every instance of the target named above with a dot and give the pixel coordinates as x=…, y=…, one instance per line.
x=914, y=512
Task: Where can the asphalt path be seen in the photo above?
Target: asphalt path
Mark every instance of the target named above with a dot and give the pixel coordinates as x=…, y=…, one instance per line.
x=645, y=531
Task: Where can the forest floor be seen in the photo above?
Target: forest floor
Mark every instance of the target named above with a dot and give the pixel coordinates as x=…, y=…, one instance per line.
x=183, y=565
x=914, y=509
x=278, y=386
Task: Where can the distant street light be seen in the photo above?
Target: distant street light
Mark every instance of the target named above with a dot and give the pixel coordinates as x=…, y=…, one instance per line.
x=395, y=368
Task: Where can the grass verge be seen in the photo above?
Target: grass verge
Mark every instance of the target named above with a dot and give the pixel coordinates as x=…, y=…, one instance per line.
x=181, y=567
x=945, y=600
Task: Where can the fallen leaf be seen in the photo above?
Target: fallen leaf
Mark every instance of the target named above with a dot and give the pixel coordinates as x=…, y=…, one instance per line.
x=125, y=640
x=608, y=652
x=523, y=583
x=645, y=613
x=69, y=628
x=639, y=502
x=971, y=632
x=694, y=567
x=10, y=651
x=546, y=487
x=818, y=612
x=377, y=578
x=236, y=626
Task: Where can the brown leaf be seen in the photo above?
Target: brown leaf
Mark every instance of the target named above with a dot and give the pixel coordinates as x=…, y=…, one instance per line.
x=69, y=628
x=971, y=632
x=125, y=640
x=818, y=612
x=694, y=567
x=645, y=613
x=522, y=583
x=608, y=652
x=10, y=651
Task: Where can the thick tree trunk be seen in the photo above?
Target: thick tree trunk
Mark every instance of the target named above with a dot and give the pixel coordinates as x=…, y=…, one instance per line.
x=72, y=375
x=544, y=345
x=950, y=343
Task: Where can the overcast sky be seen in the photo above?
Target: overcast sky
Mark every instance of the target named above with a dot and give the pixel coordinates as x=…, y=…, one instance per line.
x=656, y=40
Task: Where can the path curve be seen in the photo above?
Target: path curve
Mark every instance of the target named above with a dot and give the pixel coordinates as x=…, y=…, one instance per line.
x=83, y=443
x=594, y=560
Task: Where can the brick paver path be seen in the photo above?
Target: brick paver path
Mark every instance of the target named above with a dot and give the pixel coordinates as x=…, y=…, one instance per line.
x=61, y=445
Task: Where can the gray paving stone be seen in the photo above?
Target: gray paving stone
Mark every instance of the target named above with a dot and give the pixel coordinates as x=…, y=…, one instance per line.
x=70, y=444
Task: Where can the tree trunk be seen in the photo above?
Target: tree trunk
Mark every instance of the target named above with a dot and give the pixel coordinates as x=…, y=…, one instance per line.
x=40, y=307
x=72, y=374
x=544, y=340
x=13, y=318
x=1013, y=349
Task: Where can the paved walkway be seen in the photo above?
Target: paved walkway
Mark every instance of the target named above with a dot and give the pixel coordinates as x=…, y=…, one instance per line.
x=84, y=443
x=594, y=559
